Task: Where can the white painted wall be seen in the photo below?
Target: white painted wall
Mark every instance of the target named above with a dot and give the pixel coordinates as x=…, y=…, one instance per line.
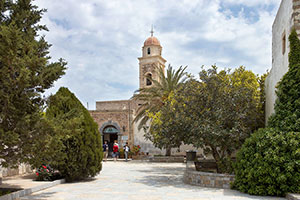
x=283, y=23
x=147, y=146
x=22, y=169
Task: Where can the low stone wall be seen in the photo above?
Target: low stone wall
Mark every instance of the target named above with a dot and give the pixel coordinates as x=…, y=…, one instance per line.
x=206, y=179
x=167, y=159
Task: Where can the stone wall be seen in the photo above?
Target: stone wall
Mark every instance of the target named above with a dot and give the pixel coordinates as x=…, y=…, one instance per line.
x=122, y=114
x=112, y=105
x=167, y=159
x=120, y=118
x=282, y=25
x=205, y=179
x=146, y=145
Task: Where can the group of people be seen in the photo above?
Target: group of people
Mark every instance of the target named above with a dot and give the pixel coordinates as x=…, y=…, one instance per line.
x=115, y=152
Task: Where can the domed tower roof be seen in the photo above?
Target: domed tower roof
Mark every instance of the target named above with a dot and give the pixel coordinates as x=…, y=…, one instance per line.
x=151, y=41
x=151, y=61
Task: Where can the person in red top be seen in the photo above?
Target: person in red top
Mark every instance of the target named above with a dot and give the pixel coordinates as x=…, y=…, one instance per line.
x=116, y=150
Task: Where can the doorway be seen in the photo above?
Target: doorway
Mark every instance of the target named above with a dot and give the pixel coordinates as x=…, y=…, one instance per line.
x=110, y=134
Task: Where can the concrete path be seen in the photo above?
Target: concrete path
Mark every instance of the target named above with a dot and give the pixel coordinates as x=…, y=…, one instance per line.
x=139, y=181
x=21, y=182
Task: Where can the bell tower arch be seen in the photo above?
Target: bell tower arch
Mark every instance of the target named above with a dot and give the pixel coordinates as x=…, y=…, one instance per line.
x=150, y=62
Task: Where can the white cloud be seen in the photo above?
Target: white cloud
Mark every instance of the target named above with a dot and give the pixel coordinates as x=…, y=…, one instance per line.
x=101, y=40
x=252, y=2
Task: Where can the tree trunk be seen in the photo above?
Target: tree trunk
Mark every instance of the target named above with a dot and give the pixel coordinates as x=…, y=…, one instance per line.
x=217, y=158
x=168, y=151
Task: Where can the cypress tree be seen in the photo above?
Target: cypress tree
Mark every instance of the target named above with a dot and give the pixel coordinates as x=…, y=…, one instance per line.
x=25, y=73
x=81, y=151
x=287, y=106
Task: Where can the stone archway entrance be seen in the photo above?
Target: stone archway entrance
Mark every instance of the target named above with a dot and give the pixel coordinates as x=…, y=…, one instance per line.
x=110, y=133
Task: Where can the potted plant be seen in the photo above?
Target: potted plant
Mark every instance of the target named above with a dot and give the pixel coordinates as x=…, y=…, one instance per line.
x=121, y=153
x=135, y=151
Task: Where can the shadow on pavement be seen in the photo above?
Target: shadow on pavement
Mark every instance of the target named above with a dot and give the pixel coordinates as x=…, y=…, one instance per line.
x=173, y=177
x=44, y=195
x=29, y=176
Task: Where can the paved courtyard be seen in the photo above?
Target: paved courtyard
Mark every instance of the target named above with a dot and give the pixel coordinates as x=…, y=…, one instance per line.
x=138, y=181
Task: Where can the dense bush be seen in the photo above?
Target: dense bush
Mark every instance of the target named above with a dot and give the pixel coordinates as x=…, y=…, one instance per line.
x=269, y=163
x=287, y=106
x=81, y=149
x=216, y=113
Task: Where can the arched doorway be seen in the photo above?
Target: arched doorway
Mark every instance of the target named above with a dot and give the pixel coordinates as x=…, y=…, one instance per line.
x=110, y=134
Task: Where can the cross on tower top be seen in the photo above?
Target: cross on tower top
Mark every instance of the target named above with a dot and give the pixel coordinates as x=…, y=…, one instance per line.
x=152, y=31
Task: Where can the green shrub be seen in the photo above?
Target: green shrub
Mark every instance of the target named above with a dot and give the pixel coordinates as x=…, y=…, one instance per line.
x=44, y=173
x=121, y=153
x=287, y=106
x=136, y=149
x=269, y=163
x=81, y=146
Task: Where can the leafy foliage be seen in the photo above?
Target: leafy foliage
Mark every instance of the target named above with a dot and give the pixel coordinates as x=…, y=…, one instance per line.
x=44, y=173
x=152, y=97
x=269, y=163
x=166, y=129
x=46, y=146
x=78, y=135
x=136, y=149
x=262, y=110
x=153, y=100
x=219, y=112
x=25, y=73
x=287, y=106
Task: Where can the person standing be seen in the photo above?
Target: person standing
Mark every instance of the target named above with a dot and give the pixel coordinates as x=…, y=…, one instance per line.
x=116, y=150
x=105, y=150
x=126, y=151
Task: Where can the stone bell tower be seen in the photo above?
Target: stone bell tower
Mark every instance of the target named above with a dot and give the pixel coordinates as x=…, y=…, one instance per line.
x=151, y=61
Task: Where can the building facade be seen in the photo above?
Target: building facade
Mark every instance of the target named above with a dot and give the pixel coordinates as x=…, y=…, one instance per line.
x=287, y=18
x=115, y=118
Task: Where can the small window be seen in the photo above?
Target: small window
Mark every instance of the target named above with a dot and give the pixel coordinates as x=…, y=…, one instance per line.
x=283, y=43
x=149, y=79
x=148, y=51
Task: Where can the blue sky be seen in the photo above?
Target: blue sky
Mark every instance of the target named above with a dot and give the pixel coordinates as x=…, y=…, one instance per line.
x=102, y=39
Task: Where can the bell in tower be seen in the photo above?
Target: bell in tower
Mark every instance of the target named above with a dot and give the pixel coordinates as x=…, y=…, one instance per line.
x=151, y=61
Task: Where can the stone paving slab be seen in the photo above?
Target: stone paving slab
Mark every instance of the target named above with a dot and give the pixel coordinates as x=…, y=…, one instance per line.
x=26, y=185
x=139, y=181
x=293, y=196
x=21, y=182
